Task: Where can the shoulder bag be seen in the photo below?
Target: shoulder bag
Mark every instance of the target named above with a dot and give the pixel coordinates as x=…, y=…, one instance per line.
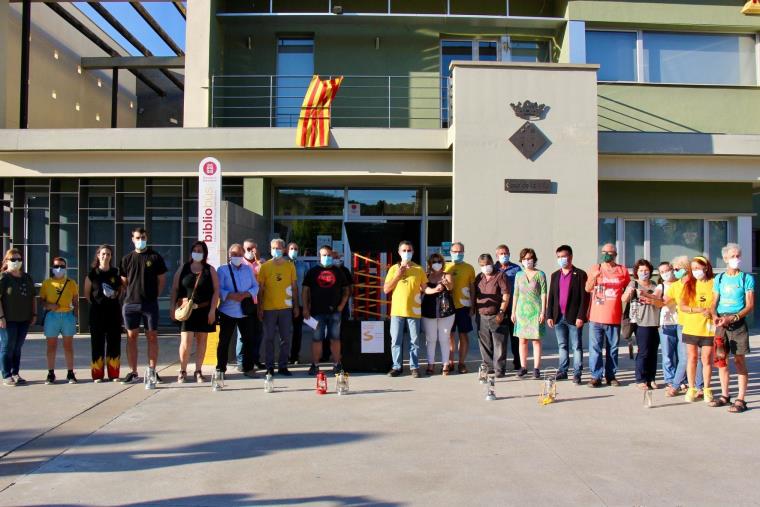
x=185, y=309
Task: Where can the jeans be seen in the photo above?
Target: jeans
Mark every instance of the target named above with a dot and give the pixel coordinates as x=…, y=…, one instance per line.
x=437, y=331
x=647, y=340
x=246, y=328
x=567, y=332
x=397, y=341
x=680, y=374
x=491, y=342
x=672, y=354
x=607, y=336
x=328, y=327
x=11, y=340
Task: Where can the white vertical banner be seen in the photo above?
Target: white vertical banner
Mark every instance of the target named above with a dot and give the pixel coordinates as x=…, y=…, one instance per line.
x=210, y=206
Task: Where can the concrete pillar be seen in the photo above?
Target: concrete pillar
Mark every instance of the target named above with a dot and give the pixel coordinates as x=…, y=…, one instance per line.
x=484, y=214
x=4, y=14
x=197, y=63
x=257, y=199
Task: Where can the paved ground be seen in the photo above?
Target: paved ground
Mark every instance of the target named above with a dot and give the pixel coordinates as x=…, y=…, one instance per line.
x=390, y=442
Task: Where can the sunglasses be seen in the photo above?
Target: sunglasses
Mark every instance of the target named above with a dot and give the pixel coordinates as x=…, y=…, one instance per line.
x=59, y=265
x=15, y=259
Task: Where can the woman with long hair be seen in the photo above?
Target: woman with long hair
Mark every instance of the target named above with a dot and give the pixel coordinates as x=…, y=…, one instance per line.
x=196, y=281
x=435, y=324
x=18, y=313
x=695, y=308
x=102, y=288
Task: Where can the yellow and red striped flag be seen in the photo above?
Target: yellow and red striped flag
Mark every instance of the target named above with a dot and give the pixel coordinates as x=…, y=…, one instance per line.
x=314, y=121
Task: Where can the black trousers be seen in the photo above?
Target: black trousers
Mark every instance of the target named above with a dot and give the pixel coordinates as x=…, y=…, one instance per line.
x=105, y=338
x=507, y=328
x=295, y=345
x=248, y=327
x=648, y=340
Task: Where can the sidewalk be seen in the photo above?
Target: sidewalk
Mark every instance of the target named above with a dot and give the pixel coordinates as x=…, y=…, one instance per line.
x=389, y=442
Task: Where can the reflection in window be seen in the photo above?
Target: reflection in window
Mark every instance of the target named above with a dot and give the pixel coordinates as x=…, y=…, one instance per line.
x=615, y=52
x=305, y=201
x=438, y=231
x=439, y=201
x=673, y=237
x=295, y=66
x=634, y=241
x=718, y=239
x=305, y=232
x=528, y=51
x=379, y=202
x=607, y=231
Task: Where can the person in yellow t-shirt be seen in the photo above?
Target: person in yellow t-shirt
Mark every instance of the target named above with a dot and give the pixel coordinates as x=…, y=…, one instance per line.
x=406, y=280
x=464, y=287
x=278, y=305
x=59, y=295
x=695, y=311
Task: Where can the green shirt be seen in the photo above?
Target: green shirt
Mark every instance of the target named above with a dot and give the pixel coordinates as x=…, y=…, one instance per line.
x=17, y=297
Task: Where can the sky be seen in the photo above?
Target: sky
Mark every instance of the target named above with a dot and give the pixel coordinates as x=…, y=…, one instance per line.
x=163, y=12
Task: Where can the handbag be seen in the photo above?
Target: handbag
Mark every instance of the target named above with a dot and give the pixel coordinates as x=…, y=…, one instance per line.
x=44, y=312
x=445, y=304
x=185, y=309
x=247, y=306
x=627, y=325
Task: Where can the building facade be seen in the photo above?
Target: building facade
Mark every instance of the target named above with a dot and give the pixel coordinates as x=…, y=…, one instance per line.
x=648, y=136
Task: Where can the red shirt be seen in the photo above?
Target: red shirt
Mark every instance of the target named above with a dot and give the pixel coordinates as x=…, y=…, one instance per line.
x=610, y=311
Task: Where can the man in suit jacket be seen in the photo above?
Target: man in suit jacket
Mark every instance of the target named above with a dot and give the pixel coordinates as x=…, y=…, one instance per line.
x=567, y=311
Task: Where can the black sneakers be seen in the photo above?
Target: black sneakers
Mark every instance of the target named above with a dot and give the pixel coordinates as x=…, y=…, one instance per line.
x=50, y=379
x=394, y=373
x=70, y=377
x=522, y=372
x=285, y=372
x=313, y=369
x=131, y=378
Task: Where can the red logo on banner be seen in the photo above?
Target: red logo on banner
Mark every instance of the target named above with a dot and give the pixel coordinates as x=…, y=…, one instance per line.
x=209, y=168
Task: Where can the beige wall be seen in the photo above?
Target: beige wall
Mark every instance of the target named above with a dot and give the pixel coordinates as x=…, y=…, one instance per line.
x=198, y=30
x=51, y=35
x=484, y=213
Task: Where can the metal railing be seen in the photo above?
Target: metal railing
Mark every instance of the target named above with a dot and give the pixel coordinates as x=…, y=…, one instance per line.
x=419, y=100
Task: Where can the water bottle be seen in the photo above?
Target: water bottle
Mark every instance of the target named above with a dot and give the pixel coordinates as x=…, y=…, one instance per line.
x=150, y=378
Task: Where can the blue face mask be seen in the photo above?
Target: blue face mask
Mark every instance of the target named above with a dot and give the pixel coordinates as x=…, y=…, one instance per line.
x=276, y=253
x=457, y=257
x=562, y=262
x=293, y=254
x=406, y=256
x=140, y=244
x=326, y=260
x=679, y=273
x=504, y=259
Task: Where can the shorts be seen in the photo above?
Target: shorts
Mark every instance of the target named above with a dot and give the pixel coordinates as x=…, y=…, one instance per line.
x=737, y=337
x=60, y=324
x=328, y=327
x=701, y=341
x=135, y=313
x=462, y=320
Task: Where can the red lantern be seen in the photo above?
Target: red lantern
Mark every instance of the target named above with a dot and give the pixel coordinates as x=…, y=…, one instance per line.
x=321, y=383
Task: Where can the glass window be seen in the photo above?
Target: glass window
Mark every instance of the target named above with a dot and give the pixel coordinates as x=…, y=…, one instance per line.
x=699, y=58
x=607, y=231
x=438, y=231
x=615, y=52
x=488, y=51
x=295, y=67
x=100, y=231
x=528, y=51
x=165, y=227
x=308, y=201
x=380, y=202
x=164, y=197
x=38, y=226
x=454, y=50
x=439, y=201
x=68, y=244
x=305, y=232
x=66, y=208
x=670, y=238
x=634, y=241
x=36, y=263
x=130, y=207
x=718, y=239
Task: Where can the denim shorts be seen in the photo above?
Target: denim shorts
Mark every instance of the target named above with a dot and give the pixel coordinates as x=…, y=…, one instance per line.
x=60, y=324
x=328, y=327
x=462, y=320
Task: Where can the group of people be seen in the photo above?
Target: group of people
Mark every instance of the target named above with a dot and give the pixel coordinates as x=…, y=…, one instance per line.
x=697, y=317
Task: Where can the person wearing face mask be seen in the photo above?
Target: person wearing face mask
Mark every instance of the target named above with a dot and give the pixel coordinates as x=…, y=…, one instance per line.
x=196, y=281
x=509, y=270
x=606, y=283
x=237, y=283
x=102, y=289
x=252, y=259
x=143, y=273
x=529, y=310
x=325, y=295
x=301, y=269
x=278, y=294
x=734, y=299
x=695, y=305
x=438, y=312
x=338, y=261
x=59, y=295
x=17, y=303
x=463, y=275
x=647, y=318
x=673, y=350
x=407, y=281
x=567, y=307
x=492, y=295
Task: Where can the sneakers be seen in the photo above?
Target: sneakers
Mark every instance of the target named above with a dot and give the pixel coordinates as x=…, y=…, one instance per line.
x=270, y=371
x=131, y=378
x=251, y=374
x=19, y=381
x=522, y=372
x=394, y=373
x=577, y=380
x=337, y=368
x=562, y=376
x=313, y=369
x=501, y=374
x=613, y=382
x=182, y=377
x=285, y=372
x=708, y=394
x=9, y=381
x=50, y=379
x=691, y=395
x=536, y=373
x=595, y=382
x=159, y=380
x=71, y=378
x=415, y=373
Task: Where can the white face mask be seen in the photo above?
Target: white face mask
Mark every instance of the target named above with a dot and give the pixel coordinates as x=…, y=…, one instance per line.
x=698, y=274
x=486, y=270
x=644, y=275
x=562, y=262
x=197, y=256
x=667, y=276
x=437, y=266
x=236, y=261
x=504, y=259
x=734, y=263
x=15, y=265
x=140, y=244
x=406, y=256
x=528, y=263
x=293, y=254
x=59, y=272
x=249, y=256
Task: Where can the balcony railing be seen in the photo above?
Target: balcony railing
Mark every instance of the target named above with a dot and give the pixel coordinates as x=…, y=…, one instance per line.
x=417, y=100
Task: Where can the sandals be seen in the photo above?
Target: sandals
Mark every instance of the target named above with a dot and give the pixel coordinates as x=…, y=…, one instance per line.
x=738, y=407
x=445, y=370
x=720, y=401
x=430, y=371
x=199, y=378
x=181, y=377
x=643, y=386
x=671, y=392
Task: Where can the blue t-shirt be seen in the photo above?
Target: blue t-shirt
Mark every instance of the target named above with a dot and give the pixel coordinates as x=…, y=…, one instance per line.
x=731, y=290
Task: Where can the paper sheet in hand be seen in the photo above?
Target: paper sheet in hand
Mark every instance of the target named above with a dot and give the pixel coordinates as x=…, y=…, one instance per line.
x=311, y=322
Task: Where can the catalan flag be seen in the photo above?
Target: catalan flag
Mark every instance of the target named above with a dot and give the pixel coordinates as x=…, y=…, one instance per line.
x=314, y=121
x=751, y=7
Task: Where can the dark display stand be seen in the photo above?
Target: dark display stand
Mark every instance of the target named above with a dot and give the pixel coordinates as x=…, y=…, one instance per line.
x=351, y=349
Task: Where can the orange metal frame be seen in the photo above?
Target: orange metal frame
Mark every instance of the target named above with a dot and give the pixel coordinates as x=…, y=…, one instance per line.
x=368, y=287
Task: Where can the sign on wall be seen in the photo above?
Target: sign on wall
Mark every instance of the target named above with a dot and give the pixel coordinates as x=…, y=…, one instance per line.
x=210, y=206
x=373, y=337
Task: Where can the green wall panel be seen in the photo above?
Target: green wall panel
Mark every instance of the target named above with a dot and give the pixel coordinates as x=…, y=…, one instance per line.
x=674, y=197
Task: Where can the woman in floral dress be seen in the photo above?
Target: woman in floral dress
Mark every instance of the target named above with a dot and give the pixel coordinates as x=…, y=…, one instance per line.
x=529, y=310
